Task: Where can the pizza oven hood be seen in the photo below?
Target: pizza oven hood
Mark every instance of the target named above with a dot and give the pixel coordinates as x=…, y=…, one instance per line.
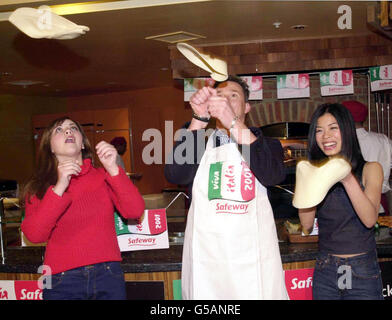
x=293, y=137
x=286, y=130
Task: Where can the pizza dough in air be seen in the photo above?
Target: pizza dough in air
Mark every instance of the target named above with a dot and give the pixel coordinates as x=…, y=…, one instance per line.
x=216, y=67
x=313, y=182
x=43, y=23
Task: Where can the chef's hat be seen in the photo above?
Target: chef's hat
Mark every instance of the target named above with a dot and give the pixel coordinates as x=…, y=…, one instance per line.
x=42, y=23
x=358, y=110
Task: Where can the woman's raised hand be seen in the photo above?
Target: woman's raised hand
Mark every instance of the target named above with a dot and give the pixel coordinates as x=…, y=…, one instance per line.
x=107, y=154
x=65, y=171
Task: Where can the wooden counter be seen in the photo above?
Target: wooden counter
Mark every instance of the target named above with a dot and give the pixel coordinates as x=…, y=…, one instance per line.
x=159, y=265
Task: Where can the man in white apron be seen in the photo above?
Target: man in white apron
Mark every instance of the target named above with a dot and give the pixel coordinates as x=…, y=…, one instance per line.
x=231, y=247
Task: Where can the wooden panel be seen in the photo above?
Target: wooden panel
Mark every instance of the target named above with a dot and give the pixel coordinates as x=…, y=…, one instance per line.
x=313, y=54
x=277, y=46
x=152, y=174
x=166, y=277
x=242, y=49
x=84, y=117
x=43, y=120
x=384, y=17
x=282, y=56
x=296, y=55
x=358, y=41
x=108, y=135
x=180, y=63
x=219, y=51
x=233, y=60
x=312, y=44
x=111, y=119
x=253, y=58
x=299, y=265
x=37, y=136
x=19, y=276
x=104, y=124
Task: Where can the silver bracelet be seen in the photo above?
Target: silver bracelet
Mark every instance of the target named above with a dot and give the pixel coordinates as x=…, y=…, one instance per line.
x=233, y=122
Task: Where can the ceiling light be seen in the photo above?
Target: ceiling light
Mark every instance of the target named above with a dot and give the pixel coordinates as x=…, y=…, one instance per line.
x=103, y=5
x=24, y=83
x=174, y=37
x=299, y=27
x=106, y=5
x=277, y=24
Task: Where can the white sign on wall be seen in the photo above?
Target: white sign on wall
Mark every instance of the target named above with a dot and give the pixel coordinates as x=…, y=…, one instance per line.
x=255, y=84
x=293, y=86
x=338, y=82
x=381, y=78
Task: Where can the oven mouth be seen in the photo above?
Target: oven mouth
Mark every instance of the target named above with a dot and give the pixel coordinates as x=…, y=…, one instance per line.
x=293, y=138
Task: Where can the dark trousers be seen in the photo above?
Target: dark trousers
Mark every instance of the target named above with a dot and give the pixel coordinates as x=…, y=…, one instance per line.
x=355, y=278
x=102, y=281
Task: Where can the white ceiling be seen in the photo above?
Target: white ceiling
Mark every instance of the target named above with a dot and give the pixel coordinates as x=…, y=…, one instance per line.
x=114, y=54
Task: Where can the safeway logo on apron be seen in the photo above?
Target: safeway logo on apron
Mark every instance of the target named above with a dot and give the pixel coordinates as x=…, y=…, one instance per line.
x=149, y=232
x=151, y=223
x=233, y=182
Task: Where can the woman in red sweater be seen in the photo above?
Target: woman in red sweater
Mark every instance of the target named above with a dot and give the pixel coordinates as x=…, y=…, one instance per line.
x=69, y=204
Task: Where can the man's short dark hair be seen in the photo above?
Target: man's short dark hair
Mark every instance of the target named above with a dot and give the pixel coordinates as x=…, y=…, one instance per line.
x=242, y=83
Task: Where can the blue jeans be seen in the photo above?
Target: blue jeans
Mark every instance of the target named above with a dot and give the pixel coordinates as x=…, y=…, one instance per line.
x=355, y=278
x=101, y=281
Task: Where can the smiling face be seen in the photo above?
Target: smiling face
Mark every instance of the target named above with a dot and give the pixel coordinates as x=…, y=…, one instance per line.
x=328, y=136
x=66, y=141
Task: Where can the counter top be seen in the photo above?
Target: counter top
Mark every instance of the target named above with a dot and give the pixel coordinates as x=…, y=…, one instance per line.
x=28, y=259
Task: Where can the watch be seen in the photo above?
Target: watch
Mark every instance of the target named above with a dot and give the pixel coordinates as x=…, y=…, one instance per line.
x=196, y=116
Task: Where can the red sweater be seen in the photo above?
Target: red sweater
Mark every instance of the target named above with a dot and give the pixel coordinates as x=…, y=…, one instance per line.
x=79, y=226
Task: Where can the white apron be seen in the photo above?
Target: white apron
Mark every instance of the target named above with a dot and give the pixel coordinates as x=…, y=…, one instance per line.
x=231, y=247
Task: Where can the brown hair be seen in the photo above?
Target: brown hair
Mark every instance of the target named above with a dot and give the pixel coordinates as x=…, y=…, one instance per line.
x=46, y=168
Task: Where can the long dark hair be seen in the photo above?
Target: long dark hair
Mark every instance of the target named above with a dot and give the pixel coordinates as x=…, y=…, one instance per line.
x=350, y=146
x=46, y=168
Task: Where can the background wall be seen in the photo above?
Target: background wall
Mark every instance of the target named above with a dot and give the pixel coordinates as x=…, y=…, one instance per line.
x=271, y=110
x=290, y=56
x=16, y=139
x=150, y=108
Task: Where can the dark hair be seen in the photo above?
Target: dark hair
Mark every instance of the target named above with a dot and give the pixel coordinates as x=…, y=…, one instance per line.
x=46, y=168
x=242, y=83
x=350, y=146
